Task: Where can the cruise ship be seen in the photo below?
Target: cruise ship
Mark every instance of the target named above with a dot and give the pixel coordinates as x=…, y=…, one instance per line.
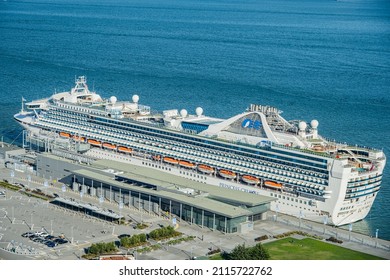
x=257, y=151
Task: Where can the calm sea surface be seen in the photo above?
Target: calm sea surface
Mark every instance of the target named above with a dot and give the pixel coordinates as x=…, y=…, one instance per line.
x=313, y=59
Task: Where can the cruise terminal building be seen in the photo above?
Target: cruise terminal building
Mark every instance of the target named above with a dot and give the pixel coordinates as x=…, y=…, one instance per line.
x=159, y=193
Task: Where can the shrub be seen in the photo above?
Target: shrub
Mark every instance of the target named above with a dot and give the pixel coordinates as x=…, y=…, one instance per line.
x=334, y=240
x=261, y=238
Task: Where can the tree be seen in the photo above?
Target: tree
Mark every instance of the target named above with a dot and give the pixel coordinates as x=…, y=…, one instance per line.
x=240, y=252
x=259, y=252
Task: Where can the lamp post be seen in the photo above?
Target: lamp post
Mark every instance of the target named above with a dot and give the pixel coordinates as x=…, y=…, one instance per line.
x=350, y=229
x=120, y=210
x=325, y=222
x=376, y=237
x=300, y=218
x=12, y=176
x=31, y=225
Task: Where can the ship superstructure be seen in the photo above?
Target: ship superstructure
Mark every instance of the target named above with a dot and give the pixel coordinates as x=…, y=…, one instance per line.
x=257, y=151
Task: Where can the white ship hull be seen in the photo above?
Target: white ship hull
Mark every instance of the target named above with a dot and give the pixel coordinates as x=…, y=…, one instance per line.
x=306, y=208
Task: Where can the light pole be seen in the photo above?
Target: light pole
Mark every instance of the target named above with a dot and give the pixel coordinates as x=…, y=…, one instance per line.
x=120, y=211
x=376, y=237
x=300, y=218
x=12, y=176
x=72, y=235
x=325, y=222
x=45, y=186
x=32, y=226
x=350, y=229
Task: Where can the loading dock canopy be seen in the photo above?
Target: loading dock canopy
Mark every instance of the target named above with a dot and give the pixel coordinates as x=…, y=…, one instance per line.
x=92, y=209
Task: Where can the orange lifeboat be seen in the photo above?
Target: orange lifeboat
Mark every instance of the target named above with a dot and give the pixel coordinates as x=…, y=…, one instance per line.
x=170, y=160
x=250, y=180
x=227, y=174
x=94, y=142
x=109, y=146
x=65, y=134
x=186, y=164
x=205, y=168
x=78, y=138
x=272, y=184
x=124, y=149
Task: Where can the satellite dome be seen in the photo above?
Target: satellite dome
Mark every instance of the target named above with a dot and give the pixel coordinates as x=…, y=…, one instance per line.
x=199, y=111
x=314, y=124
x=135, y=98
x=113, y=100
x=183, y=113
x=302, y=125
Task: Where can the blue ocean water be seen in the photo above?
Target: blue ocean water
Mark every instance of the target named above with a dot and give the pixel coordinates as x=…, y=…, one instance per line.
x=314, y=59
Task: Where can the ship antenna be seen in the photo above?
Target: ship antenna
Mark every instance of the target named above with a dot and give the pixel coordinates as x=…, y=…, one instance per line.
x=22, y=104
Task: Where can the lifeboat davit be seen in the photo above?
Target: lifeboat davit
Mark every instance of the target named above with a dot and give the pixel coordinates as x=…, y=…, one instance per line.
x=250, y=180
x=124, y=149
x=94, y=142
x=227, y=174
x=78, y=138
x=187, y=164
x=205, y=168
x=272, y=184
x=109, y=146
x=170, y=160
x=156, y=158
x=65, y=134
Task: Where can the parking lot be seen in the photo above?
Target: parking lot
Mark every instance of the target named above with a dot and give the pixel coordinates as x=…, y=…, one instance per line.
x=63, y=230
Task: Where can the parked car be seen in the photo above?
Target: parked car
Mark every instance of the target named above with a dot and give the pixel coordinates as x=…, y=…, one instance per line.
x=28, y=234
x=51, y=244
x=60, y=241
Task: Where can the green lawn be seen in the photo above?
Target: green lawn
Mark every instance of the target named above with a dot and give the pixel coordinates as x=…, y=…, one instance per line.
x=311, y=249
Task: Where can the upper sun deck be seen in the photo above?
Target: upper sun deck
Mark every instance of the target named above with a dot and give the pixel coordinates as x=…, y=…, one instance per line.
x=258, y=126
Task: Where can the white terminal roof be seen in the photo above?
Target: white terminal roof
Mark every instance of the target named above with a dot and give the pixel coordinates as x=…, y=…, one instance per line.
x=208, y=197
